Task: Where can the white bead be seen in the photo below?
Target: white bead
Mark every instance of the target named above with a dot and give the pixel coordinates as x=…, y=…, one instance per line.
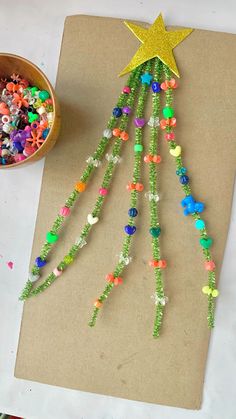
x=114, y=159
x=94, y=162
x=7, y=127
x=107, y=133
x=50, y=116
x=154, y=122
x=152, y=197
x=33, y=277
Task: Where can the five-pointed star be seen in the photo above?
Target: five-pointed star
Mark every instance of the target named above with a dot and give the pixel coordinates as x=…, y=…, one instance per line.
x=156, y=42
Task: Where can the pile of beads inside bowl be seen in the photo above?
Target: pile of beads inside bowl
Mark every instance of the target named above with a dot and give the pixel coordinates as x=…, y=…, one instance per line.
x=26, y=116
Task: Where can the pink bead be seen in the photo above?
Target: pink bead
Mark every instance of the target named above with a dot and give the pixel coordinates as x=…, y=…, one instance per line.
x=210, y=265
x=126, y=89
x=19, y=157
x=57, y=272
x=170, y=136
x=103, y=191
x=65, y=211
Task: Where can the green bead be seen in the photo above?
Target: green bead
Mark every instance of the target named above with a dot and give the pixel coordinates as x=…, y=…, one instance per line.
x=33, y=90
x=68, y=259
x=206, y=242
x=32, y=117
x=51, y=237
x=138, y=147
x=44, y=95
x=155, y=231
x=168, y=112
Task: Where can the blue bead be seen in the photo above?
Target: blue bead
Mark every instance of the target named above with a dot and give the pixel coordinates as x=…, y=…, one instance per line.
x=45, y=133
x=130, y=230
x=156, y=87
x=40, y=262
x=146, y=78
x=4, y=161
x=183, y=170
x=133, y=212
x=117, y=112
x=184, y=179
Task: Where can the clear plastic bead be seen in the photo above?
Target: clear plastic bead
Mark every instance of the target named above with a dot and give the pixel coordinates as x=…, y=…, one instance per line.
x=152, y=197
x=125, y=260
x=159, y=300
x=94, y=162
x=107, y=133
x=33, y=277
x=154, y=122
x=80, y=242
x=114, y=159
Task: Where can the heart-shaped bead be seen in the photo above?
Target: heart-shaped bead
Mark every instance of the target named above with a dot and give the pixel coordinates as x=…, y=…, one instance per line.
x=206, y=242
x=139, y=122
x=130, y=230
x=40, y=262
x=155, y=231
x=175, y=152
x=91, y=219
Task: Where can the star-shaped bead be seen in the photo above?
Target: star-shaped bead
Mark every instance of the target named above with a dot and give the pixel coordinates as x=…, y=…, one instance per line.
x=146, y=78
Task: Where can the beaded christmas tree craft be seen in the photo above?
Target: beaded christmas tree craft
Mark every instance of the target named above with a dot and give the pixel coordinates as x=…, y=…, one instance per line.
x=150, y=70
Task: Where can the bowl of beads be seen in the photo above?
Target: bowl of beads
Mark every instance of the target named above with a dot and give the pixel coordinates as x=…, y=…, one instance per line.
x=29, y=112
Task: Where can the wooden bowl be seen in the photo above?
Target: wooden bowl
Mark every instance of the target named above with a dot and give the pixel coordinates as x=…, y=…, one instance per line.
x=9, y=64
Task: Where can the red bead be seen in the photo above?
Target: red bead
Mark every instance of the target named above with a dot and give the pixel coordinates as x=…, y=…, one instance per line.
x=156, y=159
x=139, y=187
x=126, y=89
x=103, y=191
x=110, y=278
x=118, y=280
x=170, y=136
x=210, y=265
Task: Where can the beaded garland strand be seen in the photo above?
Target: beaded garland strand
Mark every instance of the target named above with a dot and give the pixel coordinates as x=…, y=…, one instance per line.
x=135, y=187
x=123, y=109
x=190, y=205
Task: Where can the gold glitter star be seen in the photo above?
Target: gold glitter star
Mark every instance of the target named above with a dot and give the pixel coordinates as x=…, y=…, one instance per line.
x=156, y=42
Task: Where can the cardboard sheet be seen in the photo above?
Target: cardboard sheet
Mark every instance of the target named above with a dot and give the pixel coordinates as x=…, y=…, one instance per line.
x=119, y=357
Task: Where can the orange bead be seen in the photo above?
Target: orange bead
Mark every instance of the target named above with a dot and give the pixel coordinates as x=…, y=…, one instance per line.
x=124, y=136
x=156, y=159
x=118, y=280
x=116, y=132
x=130, y=186
x=162, y=264
x=148, y=158
x=110, y=278
x=153, y=263
x=210, y=265
x=80, y=186
x=139, y=187
x=98, y=304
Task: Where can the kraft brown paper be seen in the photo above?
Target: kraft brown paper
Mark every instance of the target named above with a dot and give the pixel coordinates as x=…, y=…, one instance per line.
x=119, y=357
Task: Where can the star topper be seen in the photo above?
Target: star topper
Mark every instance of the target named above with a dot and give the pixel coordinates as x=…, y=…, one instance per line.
x=156, y=42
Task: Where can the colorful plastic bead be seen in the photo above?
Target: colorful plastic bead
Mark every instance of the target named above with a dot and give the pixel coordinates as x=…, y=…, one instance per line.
x=184, y=179
x=43, y=95
x=162, y=264
x=33, y=277
x=156, y=87
x=133, y=212
x=156, y=159
x=130, y=230
x=103, y=191
x=68, y=259
x=206, y=242
x=98, y=304
x=168, y=112
x=138, y=147
x=117, y=112
x=210, y=265
x=126, y=89
x=170, y=136
x=200, y=224
x=51, y=237
x=107, y=133
x=57, y=272
x=124, y=136
x=64, y=211
x=139, y=187
x=39, y=262
x=147, y=158
x=139, y=122
x=146, y=78
x=80, y=186
x=155, y=231
x=126, y=110
x=116, y=132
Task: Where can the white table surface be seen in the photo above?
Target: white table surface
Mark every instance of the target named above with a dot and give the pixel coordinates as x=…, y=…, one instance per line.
x=34, y=29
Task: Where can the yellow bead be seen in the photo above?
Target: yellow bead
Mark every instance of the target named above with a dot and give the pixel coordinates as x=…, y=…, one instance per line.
x=206, y=290
x=68, y=259
x=215, y=293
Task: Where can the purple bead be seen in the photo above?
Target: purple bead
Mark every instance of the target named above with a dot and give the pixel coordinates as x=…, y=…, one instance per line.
x=139, y=122
x=40, y=262
x=130, y=230
x=126, y=110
